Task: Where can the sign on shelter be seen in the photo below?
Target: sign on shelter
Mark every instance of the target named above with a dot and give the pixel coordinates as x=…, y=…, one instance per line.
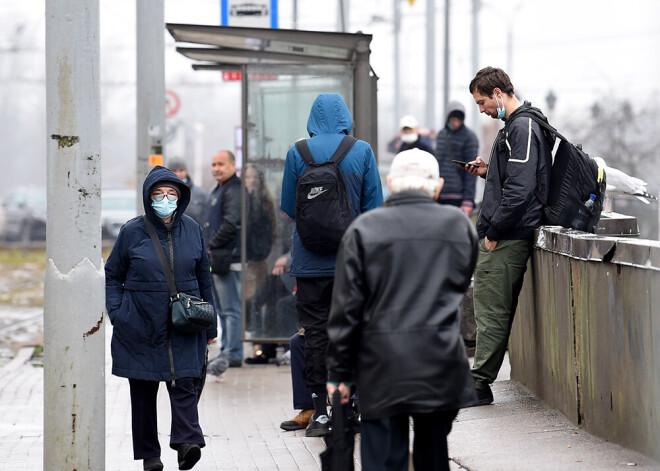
x=249, y=13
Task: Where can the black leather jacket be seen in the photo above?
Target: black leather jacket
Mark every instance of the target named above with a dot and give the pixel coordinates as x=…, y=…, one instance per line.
x=518, y=179
x=394, y=324
x=223, y=223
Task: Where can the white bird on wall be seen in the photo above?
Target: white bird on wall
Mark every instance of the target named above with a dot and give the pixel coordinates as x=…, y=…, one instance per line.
x=622, y=184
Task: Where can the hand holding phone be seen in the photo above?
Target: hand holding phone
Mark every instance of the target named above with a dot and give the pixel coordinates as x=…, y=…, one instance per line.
x=463, y=164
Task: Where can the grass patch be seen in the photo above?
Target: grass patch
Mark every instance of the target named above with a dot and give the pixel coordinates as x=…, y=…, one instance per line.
x=18, y=257
x=38, y=352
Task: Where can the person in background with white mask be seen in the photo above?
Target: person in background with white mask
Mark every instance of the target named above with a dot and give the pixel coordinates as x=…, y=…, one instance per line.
x=410, y=138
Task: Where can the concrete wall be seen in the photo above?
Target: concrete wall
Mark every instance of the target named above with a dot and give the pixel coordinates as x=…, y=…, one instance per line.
x=586, y=338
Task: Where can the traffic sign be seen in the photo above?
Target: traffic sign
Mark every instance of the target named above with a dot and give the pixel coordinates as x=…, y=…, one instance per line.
x=172, y=103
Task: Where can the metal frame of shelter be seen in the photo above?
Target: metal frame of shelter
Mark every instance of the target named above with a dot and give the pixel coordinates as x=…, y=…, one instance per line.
x=290, y=52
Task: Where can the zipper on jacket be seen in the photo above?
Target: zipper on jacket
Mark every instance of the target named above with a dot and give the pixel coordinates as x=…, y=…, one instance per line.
x=169, y=336
x=490, y=160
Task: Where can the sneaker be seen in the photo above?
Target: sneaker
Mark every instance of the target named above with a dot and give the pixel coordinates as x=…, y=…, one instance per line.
x=233, y=363
x=285, y=359
x=484, y=396
x=188, y=454
x=152, y=464
x=319, y=427
x=299, y=422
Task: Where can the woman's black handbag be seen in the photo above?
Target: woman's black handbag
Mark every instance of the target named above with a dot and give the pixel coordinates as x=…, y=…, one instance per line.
x=190, y=314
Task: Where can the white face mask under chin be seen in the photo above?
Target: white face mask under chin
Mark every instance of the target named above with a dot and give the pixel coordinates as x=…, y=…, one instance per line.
x=409, y=138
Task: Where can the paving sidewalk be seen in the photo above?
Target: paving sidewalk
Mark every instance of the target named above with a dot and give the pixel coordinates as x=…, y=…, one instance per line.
x=240, y=416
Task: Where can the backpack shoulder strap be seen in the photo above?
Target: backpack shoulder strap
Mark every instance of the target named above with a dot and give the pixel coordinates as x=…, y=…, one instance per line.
x=541, y=123
x=344, y=146
x=303, y=150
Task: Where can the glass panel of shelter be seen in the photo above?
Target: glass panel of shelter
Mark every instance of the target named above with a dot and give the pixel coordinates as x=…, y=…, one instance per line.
x=279, y=101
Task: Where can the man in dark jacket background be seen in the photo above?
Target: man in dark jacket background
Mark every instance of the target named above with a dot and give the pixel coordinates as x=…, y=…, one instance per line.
x=223, y=231
x=198, y=196
x=329, y=121
x=394, y=325
x=456, y=142
x=517, y=180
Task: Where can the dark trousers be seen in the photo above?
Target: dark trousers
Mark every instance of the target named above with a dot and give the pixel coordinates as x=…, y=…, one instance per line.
x=313, y=305
x=302, y=398
x=385, y=442
x=185, y=423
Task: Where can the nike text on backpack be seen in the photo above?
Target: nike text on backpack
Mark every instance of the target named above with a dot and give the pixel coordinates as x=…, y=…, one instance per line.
x=323, y=207
x=574, y=178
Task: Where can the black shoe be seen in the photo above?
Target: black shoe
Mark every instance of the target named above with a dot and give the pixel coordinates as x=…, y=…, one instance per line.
x=152, y=464
x=189, y=454
x=484, y=396
x=257, y=360
x=235, y=363
x=318, y=427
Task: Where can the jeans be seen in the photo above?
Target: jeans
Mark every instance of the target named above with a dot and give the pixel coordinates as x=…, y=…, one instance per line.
x=228, y=294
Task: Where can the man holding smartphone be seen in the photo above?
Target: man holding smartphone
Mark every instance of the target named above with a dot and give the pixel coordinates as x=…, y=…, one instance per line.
x=517, y=180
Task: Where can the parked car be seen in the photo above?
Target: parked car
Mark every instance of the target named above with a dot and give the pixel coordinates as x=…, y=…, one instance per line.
x=25, y=214
x=117, y=207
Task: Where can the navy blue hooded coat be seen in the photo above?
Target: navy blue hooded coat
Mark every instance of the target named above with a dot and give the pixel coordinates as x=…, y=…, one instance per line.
x=137, y=298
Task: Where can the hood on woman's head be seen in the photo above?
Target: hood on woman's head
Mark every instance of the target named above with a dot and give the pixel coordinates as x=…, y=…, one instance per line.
x=161, y=176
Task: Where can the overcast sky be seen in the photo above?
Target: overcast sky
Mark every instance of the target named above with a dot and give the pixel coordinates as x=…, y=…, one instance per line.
x=583, y=50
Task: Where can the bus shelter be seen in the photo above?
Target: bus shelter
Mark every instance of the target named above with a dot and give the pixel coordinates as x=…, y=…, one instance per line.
x=282, y=72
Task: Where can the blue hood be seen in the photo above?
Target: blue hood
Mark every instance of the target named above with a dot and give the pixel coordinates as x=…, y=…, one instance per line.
x=158, y=176
x=329, y=115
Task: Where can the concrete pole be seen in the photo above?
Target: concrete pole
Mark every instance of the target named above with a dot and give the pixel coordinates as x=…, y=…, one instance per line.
x=342, y=15
x=74, y=301
x=295, y=14
x=445, y=98
x=476, y=6
x=363, y=112
x=430, y=64
x=397, y=65
x=150, y=22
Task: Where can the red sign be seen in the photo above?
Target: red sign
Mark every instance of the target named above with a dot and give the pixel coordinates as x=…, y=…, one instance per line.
x=231, y=76
x=235, y=76
x=172, y=103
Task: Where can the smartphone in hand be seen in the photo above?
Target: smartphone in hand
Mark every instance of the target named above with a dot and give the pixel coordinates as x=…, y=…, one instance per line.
x=463, y=164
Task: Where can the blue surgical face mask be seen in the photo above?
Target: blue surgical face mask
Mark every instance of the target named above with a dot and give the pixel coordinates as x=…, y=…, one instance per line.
x=164, y=208
x=501, y=112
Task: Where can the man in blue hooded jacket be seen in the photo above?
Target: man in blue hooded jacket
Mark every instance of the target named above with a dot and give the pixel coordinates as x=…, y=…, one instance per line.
x=329, y=121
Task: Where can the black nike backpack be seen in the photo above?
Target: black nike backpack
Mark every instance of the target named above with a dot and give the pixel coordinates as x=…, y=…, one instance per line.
x=323, y=207
x=573, y=179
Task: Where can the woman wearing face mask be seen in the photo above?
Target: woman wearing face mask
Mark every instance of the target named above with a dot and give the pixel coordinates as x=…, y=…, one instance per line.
x=145, y=347
x=410, y=138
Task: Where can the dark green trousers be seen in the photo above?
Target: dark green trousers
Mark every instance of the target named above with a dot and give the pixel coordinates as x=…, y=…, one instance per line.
x=498, y=280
